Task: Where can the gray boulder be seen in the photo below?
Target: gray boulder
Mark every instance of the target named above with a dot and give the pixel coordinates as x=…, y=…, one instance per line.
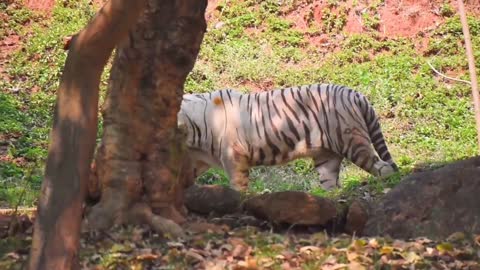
x=434, y=204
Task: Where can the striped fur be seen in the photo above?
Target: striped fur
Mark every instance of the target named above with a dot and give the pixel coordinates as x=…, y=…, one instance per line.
x=326, y=122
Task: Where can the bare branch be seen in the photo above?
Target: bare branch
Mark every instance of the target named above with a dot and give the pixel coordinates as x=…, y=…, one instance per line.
x=447, y=77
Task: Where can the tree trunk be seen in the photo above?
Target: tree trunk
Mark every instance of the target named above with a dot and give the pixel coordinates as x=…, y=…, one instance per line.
x=57, y=226
x=141, y=149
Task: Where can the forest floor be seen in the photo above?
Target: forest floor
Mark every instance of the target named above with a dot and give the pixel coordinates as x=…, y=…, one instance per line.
x=218, y=246
x=383, y=49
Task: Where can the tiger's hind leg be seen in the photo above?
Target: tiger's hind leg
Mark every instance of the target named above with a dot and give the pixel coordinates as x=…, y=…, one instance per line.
x=363, y=155
x=327, y=165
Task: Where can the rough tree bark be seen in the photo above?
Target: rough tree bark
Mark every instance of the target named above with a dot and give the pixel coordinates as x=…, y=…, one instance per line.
x=57, y=226
x=138, y=160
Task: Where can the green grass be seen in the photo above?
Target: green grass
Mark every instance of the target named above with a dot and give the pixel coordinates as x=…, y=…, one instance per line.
x=26, y=102
x=250, y=44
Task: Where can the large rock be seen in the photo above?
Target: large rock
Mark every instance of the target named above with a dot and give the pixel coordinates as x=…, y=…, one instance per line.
x=215, y=199
x=434, y=203
x=292, y=207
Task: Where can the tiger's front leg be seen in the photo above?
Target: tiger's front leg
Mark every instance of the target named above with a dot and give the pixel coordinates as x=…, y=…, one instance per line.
x=238, y=178
x=235, y=164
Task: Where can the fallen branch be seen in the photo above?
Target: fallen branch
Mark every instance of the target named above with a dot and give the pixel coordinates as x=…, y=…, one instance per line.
x=445, y=76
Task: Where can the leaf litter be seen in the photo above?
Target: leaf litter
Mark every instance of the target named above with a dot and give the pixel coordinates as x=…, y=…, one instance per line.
x=214, y=246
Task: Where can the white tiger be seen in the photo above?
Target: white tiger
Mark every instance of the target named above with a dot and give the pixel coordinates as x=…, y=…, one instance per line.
x=235, y=131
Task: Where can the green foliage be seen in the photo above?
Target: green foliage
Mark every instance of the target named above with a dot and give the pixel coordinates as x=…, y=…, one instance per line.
x=26, y=102
x=447, y=10
x=448, y=39
x=17, y=16
x=334, y=22
x=371, y=21
x=214, y=177
x=11, y=117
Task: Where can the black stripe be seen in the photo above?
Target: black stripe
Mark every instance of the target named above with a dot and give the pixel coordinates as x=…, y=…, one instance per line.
x=292, y=127
x=360, y=150
x=302, y=107
x=203, y=98
x=307, y=136
x=229, y=96
x=240, y=101
x=313, y=99
x=382, y=149
x=339, y=132
x=250, y=110
x=212, y=144
x=276, y=109
x=193, y=128
x=364, y=162
x=259, y=110
x=256, y=127
x=205, y=120
x=325, y=117
x=321, y=163
x=220, y=147
x=250, y=152
x=270, y=120
x=288, y=105
x=199, y=133
x=357, y=154
x=334, y=98
x=350, y=110
x=323, y=136
x=221, y=95
x=386, y=156
x=261, y=157
x=376, y=138
x=288, y=141
x=348, y=147
x=275, y=150
x=318, y=123
x=299, y=94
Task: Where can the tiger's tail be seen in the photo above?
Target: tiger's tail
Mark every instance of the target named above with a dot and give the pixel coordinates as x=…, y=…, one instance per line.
x=376, y=136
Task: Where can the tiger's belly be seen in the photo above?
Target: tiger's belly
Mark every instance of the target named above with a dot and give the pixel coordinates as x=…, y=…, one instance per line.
x=265, y=156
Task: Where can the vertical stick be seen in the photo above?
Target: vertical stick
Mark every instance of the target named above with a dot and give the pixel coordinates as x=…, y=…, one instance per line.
x=471, y=67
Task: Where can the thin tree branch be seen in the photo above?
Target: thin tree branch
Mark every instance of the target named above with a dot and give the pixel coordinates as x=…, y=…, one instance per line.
x=447, y=77
x=471, y=67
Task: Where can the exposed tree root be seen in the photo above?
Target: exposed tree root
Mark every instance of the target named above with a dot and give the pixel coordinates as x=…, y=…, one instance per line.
x=101, y=218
